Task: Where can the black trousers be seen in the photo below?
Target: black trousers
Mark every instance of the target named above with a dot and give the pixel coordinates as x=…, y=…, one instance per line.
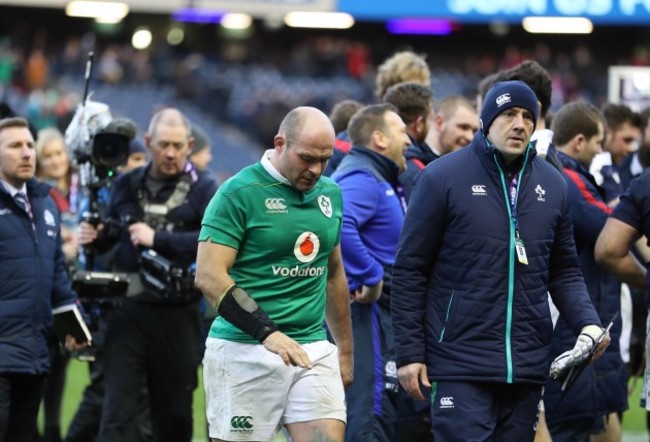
x=20, y=397
x=53, y=390
x=372, y=396
x=152, y=346
x=482, y=411
x=85, y=424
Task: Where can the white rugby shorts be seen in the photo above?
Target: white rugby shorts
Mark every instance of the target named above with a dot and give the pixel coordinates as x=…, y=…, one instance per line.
x=251, y=393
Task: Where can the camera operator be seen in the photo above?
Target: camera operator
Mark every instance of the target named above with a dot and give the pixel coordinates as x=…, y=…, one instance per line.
x=87, y=419
x=152, y=339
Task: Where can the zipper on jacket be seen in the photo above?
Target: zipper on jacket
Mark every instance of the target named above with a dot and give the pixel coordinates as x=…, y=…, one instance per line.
x=442, y=334
x=511, y=261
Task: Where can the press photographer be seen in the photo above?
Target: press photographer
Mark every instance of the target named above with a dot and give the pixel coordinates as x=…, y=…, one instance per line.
x=153, y=337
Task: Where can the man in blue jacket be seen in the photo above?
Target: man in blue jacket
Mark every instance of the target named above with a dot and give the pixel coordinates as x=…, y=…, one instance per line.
x=34, y=280
x=488, y=233
x=373, y=212
x=622, y=138
x=578, y=132
x=414, y=103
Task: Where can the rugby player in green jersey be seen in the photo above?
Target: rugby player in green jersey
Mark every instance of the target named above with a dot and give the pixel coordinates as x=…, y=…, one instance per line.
x=269, y=261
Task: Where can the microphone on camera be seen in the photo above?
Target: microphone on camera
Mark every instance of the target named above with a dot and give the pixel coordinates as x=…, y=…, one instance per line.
x=122, y=126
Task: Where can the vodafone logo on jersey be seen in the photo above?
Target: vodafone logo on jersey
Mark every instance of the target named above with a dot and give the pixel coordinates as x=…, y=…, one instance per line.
x=307, y=247
x=306, y=250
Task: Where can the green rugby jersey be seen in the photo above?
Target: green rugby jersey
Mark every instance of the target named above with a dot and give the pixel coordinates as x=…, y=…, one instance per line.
x=284, y=238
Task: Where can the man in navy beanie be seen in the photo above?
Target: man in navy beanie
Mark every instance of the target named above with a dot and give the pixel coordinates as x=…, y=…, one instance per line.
x=487, y=235
x=505, y=95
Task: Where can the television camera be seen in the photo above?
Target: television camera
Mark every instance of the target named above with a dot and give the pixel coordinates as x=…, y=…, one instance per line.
x=98, y=144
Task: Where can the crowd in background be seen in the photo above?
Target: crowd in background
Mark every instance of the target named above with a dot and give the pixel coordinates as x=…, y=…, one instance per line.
x=249, y=83
x=253, y=88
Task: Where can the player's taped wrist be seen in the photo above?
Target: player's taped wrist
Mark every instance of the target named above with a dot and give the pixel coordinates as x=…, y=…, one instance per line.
x=238, y=308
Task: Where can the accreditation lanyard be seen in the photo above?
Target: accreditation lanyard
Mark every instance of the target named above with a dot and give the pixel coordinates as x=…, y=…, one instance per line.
x=513, y=193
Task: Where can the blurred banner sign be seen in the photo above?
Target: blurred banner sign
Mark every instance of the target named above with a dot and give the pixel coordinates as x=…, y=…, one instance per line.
x=261, y=8
x=614, y=12
x=257, y=8
x=483, y=11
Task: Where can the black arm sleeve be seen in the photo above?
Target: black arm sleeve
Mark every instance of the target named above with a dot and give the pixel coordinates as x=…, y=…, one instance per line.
x=238, y=308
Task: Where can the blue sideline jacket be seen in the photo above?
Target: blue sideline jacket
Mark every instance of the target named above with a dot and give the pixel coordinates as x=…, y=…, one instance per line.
x=34, y=279
x=372, y=215
x=589, y=213
x=462, y=302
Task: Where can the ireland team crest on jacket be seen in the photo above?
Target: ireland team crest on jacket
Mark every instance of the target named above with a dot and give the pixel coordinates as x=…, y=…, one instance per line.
x=325, y=205
x=49, y=218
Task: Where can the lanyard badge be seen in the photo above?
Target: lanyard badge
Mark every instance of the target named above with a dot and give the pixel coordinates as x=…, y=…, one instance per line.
x=521, y=251
x=519, y=244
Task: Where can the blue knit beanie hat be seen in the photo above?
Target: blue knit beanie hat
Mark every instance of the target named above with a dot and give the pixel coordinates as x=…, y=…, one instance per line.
x=504, y=95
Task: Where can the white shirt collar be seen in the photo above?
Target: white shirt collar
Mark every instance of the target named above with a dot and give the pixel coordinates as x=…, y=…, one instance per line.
x=543, y=139
x=12, y=190
x=542, y=134
x=270, y=168
x=635, y=167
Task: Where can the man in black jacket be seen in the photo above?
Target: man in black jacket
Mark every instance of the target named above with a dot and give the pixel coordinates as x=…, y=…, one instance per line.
x=153, y=338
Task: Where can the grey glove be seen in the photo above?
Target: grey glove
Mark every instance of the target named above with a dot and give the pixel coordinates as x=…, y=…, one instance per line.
x=589, y=337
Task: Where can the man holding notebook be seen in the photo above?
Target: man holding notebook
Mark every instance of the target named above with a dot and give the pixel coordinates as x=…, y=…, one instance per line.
x=33, y=281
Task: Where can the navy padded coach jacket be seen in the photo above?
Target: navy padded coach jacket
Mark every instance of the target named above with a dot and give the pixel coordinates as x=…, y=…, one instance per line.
x=33, y=278
x=462, y=302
